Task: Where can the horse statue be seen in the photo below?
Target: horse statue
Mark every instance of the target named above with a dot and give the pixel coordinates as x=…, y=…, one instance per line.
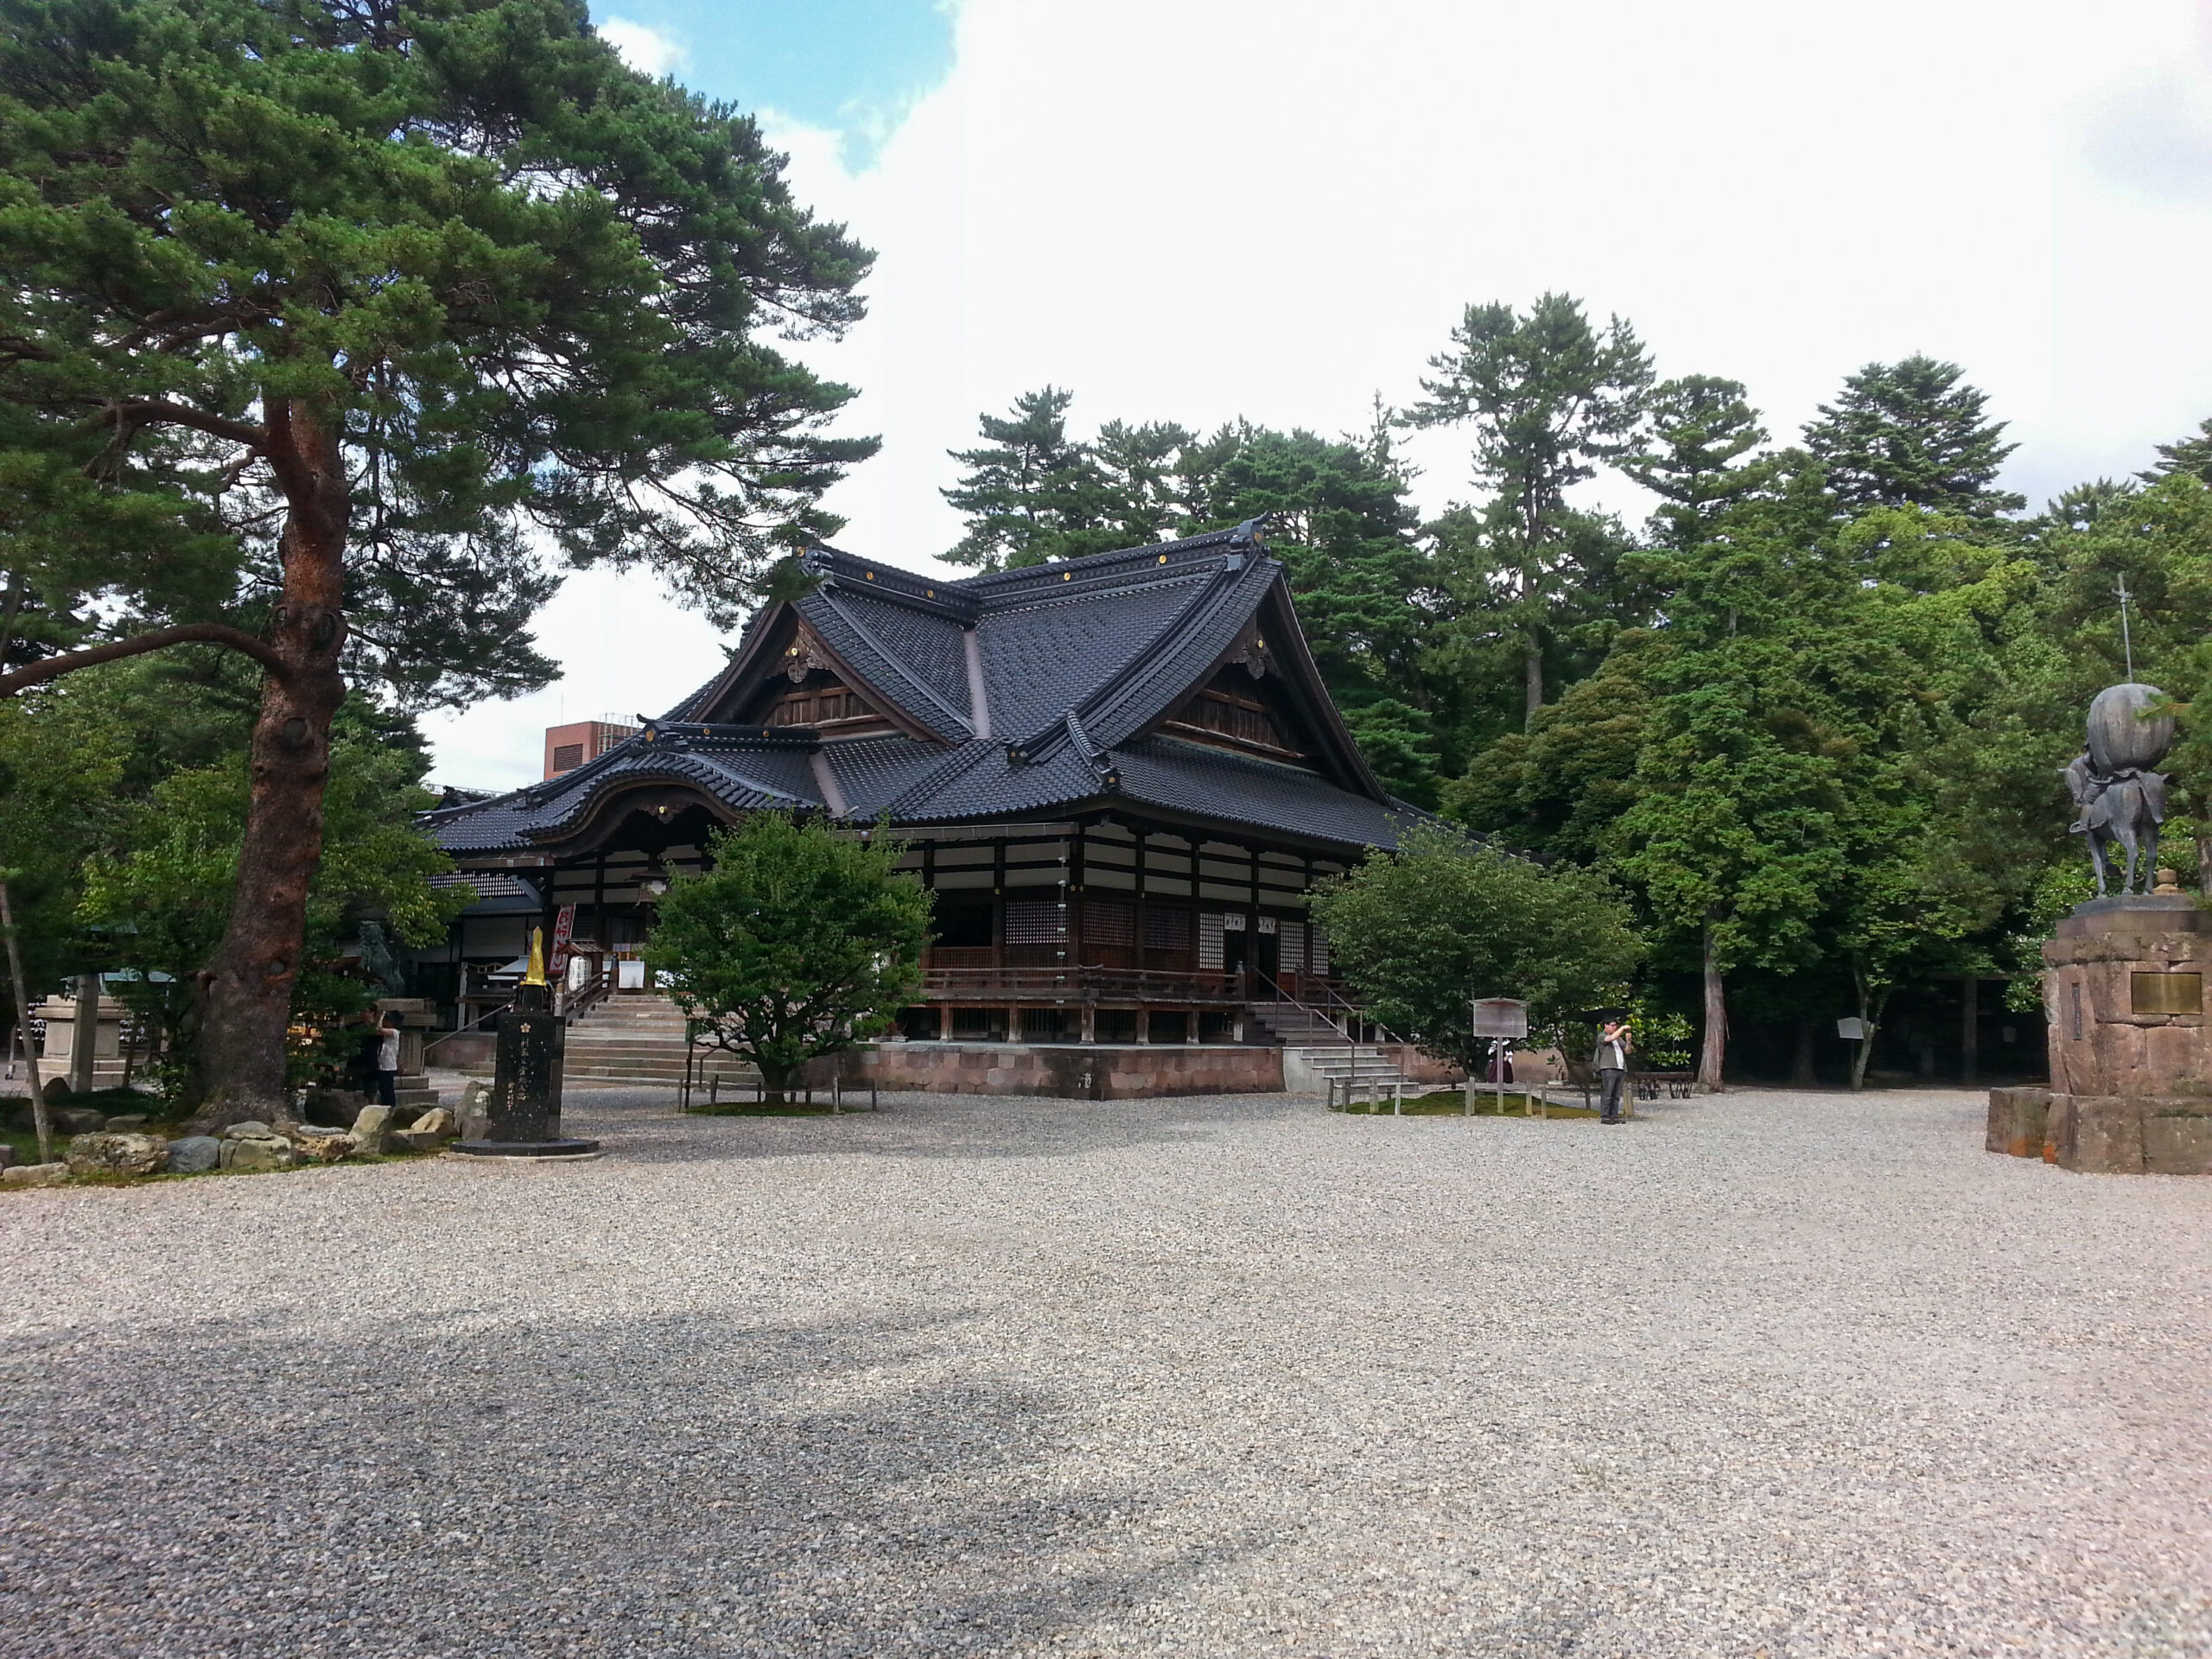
x=2121, y=798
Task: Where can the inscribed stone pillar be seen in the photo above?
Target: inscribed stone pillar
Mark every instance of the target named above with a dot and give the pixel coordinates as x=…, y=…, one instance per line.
x=522, y=1116
x=2130, y=1047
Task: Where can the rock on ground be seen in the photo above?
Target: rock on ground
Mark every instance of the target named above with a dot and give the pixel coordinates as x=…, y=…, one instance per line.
x=1790, y=1375
x=34, y=1175
x=371, y=1127
x=194, y=1155
x=247, y=1152
x=119, y=1154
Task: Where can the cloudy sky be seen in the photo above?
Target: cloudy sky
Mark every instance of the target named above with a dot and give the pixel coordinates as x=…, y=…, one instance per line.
x=1195, y=209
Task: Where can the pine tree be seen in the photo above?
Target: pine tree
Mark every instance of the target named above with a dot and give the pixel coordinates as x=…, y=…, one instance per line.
x=1032, y=493
x=2191, y=455
x=1910, y=435
x=1700, y=430
x=1138, y=469
x=1548, y=396
x=366, y=291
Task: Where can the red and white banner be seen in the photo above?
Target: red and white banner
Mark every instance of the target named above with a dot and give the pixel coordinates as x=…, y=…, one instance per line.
x=564, y=929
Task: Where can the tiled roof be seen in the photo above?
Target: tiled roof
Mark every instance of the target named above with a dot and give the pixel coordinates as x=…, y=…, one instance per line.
x=1078, y=660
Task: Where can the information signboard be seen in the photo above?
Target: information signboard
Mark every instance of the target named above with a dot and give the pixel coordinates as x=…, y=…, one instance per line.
x=1501, y=1016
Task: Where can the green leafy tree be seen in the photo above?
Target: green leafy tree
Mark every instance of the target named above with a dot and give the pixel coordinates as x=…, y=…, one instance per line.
x=156, y=900
x=800, y=941
x=1789, y=794
x=1559, y=788
x=1399, y=743
x=64, y=760
x=1421, y=932
x=1910, y=434
x=373, y=290
x=1549, y=397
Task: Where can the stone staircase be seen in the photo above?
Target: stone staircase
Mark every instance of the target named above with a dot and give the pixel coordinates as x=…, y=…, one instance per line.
x=1315, y=1055
x=638, y=1038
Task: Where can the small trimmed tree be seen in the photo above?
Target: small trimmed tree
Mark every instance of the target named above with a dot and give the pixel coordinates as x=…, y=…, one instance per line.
x=1423, y=931
x=800, y=941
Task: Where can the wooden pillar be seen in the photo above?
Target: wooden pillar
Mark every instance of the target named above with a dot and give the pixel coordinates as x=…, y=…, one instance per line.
x=1144, y=1025
x=944, y=1022
x=1090, y=1020
x=1969, y=1025
x=1013, y=1024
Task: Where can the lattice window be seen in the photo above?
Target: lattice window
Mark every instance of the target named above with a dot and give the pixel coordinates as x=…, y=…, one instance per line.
x=1317, y=951
x=567, y=757
x=1209, y=939
x=1293, y=947
x=1030, y=923
x=1106, y=922
x=1166, y=929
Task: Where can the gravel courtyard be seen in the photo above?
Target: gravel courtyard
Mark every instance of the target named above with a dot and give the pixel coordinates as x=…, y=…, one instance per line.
x=1761, y=1374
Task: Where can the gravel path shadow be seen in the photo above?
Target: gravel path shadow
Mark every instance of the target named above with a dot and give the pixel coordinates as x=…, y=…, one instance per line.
x=1758, y=1375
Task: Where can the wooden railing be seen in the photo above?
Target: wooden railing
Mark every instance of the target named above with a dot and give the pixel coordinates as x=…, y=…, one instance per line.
x=1131, y=984
x=590, y=994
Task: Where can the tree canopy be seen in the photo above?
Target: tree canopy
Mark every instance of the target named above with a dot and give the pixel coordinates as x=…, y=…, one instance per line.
x=1423, y=931
x=800, y=941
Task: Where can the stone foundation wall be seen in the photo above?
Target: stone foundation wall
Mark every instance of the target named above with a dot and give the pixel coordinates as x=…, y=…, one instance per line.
x=2110, y=1135
x=1070, y=1070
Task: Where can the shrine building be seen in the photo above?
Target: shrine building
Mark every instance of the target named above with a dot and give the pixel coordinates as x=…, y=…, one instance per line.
x=1120, y=775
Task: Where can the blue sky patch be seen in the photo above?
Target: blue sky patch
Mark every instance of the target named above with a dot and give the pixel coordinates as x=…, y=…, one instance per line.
x=853, y=67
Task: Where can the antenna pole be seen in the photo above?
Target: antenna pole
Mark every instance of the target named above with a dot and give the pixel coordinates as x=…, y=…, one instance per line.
x=2126, y=641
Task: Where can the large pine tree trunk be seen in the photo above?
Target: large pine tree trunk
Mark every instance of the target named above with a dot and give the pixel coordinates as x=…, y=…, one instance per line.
x=1712, y=1051
x=1532, y=676
x=249, y=984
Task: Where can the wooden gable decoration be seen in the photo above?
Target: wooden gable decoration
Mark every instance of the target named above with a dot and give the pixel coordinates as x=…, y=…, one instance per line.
x=1246, y=705
x=803, y=685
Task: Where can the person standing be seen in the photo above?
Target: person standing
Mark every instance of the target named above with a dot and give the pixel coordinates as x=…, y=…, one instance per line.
x=1614, y=1043
x=388, y=1060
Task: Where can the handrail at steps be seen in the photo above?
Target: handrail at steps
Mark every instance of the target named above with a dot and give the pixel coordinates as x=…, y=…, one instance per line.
x=588, y=995
x=489, y=1014
x=1348, y=1029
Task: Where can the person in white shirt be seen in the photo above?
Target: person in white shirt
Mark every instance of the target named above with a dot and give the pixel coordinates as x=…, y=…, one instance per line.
x=1614, y=1043
x=388, y=1060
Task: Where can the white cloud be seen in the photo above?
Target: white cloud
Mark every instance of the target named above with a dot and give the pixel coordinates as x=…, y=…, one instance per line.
x=1194, y=209
x=646, y=50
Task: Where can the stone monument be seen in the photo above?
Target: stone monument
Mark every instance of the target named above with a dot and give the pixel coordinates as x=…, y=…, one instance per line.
x=522, y=1117
x=2123, y=981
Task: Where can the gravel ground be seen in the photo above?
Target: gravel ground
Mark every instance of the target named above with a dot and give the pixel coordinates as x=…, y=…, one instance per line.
x=1758, y=1375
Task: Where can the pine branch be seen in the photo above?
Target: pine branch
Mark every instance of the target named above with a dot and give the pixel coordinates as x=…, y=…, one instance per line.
x=212, y=633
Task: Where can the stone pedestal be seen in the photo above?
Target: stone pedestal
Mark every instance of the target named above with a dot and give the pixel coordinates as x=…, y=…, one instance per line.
x=522, y=1116
x=58, y=1056
x=2131, y=1046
